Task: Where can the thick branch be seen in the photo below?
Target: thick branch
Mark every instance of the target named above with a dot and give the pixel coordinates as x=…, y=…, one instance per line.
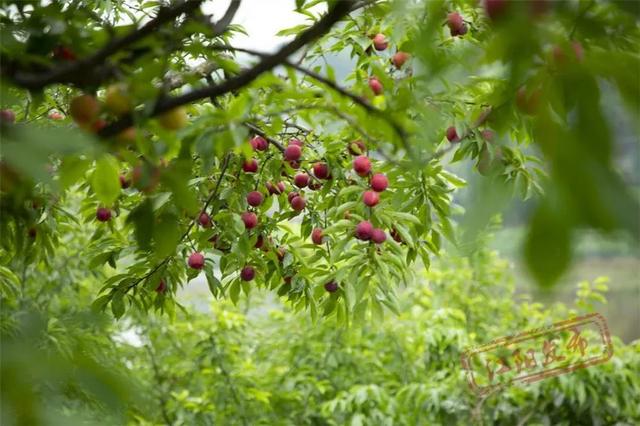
x=79, y=71
x=220, y=26
x=245, y=78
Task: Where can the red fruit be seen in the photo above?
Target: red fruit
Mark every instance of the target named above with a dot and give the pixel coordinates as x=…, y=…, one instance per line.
x=456, y=24
x=271, y=189
x=124, y=182
x=375, y=86
x=294, y=164
x=258, y=143
x=380, y=42
x=295, y=141
x=378, y=236
x=364, y=230
x=292, y=195
x=162, y=287
x=452, y=135
x=98, y=125
x=357, y=147
x=558, y=55
x=127, y=136
x=331, y=286
x=495, y=8
x=7, y=116
x=316, y=236
x=103, y=214
x=84, y=109
x=301, y=180
x=205, y=220
x=483, y=116
x=379, y=182
x=276, y=189
x=196, y=260
x=400, y=58
x=487, y=135
x=247, y=273
x=55, y=115
x=259, y=241
x=370, y=198
x=315, y=185
x=64, y=53
x=281, y=252
x=578, y=50
x=250, y=220
x=263, y=145
x=362, y=165
x=527, y=102
x=454, y=21
x=298, y=203
x=321, y=170
x=255, y=198
x=145, y=177
x=250, y=166
x=292, y=153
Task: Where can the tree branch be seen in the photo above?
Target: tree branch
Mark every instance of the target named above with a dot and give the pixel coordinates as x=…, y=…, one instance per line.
x=220, y=26
x=158, y=377
x=397, y=128
x=214, y=193
x=245, y=78
x=475, y=125
x=85, y=69
x=255, y=129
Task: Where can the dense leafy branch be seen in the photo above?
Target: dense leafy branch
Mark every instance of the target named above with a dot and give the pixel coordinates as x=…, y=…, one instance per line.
x=214, y=194
x=246, y=77
x=90, y=69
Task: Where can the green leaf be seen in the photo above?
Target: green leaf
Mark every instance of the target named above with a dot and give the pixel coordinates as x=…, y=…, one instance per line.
x=105, y=180
x=101, y=303
x=71, y=170
x=547, y=249
x=234, y=291
x=117, y=305
x=166, y=235
x=293, y=30
x=143, y=220
x=177, y=178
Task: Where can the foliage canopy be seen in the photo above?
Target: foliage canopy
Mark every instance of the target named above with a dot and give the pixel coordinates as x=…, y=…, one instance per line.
x=141, y=148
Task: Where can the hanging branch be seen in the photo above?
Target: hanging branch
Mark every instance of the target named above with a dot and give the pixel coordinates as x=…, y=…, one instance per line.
x=268, y=62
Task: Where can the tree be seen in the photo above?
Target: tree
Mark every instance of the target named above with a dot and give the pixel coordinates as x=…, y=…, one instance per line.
x=191, y=161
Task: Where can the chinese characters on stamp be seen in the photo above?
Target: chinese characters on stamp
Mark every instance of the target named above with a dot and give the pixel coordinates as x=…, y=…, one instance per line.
x=537, y=354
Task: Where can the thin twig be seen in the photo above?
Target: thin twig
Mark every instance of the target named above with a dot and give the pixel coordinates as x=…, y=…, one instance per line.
x=157, y=377
x=214, y=193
